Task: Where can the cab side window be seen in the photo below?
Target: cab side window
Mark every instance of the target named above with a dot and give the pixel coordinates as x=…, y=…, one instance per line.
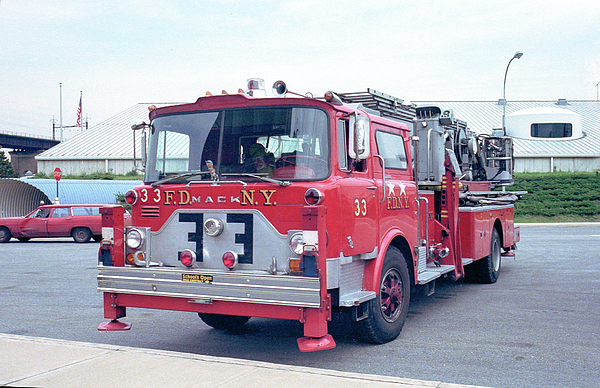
x=343, y=144
x=391, y=148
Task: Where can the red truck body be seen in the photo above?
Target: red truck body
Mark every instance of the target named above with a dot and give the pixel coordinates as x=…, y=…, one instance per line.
x=330, y=215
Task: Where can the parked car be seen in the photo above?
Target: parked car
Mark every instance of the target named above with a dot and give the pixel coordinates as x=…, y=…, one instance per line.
x=82, y=222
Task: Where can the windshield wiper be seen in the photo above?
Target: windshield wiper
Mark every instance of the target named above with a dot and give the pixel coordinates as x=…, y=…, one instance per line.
x=179, y=176
x=262, y=178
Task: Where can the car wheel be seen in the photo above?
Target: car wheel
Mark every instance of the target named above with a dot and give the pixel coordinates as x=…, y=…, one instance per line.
x=4, y=234
x=23, y=239
x=81, y=235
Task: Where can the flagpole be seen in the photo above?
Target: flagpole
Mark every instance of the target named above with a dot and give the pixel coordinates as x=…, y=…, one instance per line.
x=61, y=121
x=80, y=113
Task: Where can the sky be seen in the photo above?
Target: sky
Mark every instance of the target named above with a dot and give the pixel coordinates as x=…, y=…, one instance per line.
x=120, y=53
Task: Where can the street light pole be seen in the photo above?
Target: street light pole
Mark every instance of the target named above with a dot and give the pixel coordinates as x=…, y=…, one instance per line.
x=517, y=55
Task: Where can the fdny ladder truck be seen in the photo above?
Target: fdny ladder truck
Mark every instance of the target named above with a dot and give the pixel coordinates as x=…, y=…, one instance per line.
x=295, y=207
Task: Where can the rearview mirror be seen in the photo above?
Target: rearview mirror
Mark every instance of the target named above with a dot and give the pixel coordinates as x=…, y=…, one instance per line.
x=358, y=147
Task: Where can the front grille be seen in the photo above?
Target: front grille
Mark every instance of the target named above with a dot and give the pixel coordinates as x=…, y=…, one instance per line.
x=150, y=211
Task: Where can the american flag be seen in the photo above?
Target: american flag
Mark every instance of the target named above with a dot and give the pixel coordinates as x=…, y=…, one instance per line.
x=79, y=112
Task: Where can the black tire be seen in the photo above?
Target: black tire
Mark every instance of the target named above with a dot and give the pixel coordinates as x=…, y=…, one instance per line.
x=223, y=322
x=23, y=239
x=387, y=312
x=81, y=235
x=5, y=234
x=488, y=268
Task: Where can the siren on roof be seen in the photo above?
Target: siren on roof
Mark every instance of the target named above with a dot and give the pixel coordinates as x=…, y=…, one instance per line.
x=280, y=89
x=256, y=88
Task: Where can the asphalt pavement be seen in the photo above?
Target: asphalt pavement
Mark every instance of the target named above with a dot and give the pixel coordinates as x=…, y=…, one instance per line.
x=536, y=327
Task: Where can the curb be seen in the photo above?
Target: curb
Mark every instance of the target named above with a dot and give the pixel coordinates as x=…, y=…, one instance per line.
x=36, y=361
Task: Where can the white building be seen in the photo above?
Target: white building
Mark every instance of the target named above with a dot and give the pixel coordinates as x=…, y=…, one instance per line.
x=104, y=148
x=557, y=135
x=549, y=136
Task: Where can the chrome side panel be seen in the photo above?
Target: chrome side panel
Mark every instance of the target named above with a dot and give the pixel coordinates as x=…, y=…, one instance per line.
x=351, y=284
x=225, y=286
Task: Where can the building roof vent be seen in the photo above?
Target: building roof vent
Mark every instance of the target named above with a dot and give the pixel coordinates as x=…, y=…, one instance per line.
x=562, y=101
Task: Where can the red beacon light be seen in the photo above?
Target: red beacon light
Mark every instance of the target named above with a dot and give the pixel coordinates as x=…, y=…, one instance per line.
x=313, y=197
x=332, y=98
x=256, y=88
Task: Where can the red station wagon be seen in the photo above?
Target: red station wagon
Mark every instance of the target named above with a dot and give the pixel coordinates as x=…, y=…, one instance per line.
x=82, y=222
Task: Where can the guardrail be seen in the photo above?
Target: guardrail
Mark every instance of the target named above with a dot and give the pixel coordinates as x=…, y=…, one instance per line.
x=29, y=135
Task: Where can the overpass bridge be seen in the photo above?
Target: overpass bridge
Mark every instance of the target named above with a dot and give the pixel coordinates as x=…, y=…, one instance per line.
x=24, y=149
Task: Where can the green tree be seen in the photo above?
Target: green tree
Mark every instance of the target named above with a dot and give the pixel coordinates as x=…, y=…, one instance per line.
x=6, y=170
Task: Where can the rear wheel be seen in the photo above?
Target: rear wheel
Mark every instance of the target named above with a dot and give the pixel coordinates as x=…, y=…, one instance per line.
x=488, y=268
x=5, y=234
x=23, y=239
x=81, y=235
x=387, y=312
x=223, y=322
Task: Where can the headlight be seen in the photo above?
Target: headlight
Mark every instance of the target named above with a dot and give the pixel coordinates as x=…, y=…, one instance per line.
x=297, y=243
x=135, y=238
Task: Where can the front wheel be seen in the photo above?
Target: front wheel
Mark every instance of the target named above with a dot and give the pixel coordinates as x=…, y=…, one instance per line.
x=387, y=312
x=223, y=322
x=81, y=235
x=5, y=234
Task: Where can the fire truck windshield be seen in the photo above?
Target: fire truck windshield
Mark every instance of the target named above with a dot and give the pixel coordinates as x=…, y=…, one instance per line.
x=282, y=143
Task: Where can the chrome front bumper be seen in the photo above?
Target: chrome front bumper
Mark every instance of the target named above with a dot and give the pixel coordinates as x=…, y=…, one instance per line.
x=205, y=286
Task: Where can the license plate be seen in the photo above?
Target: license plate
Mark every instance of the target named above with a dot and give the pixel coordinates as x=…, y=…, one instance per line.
x=186, y=277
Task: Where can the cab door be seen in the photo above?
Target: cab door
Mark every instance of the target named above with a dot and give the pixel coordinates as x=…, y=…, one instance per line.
x=393, y=173
x=359, y=196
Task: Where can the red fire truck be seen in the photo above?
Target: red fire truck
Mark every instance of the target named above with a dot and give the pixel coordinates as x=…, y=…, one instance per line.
x=296, y=207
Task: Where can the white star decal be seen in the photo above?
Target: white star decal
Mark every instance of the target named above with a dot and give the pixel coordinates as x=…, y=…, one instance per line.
x=402, y=188
x=391, y=186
